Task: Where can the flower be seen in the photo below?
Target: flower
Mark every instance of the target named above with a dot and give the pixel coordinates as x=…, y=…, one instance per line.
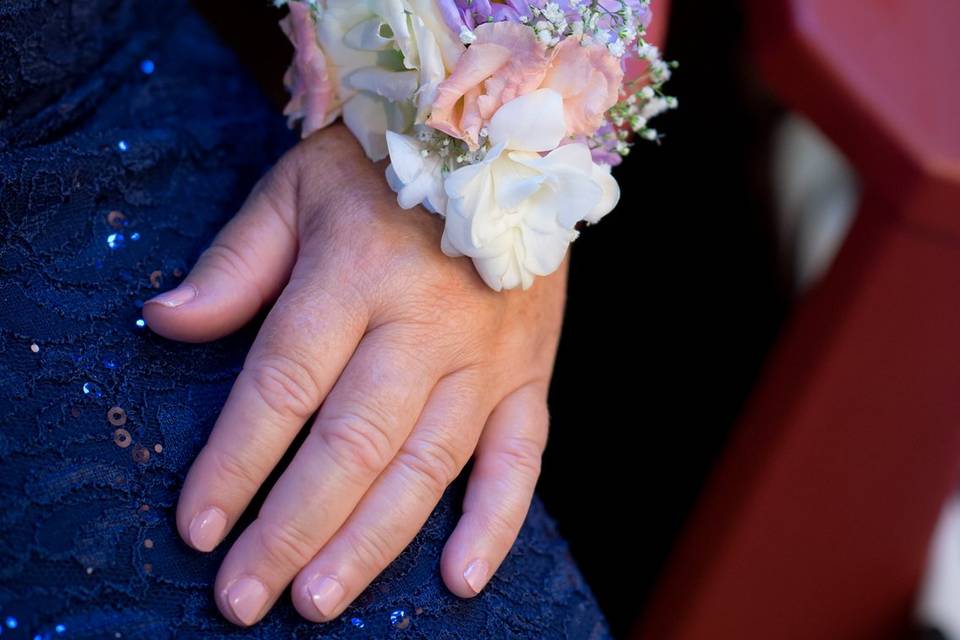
x=515, y=212
x=415, y=174
x=307, y=79
x=507, y=61
x=589, y=79
x=385, y=60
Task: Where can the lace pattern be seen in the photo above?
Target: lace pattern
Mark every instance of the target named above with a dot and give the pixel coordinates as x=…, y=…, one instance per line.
x=123, y=148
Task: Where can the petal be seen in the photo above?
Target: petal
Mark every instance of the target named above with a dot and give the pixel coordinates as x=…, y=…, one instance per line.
x=367, y=36
x=405, y=156
x=369, y=117
x=611, y=193
x=397, y=86
x=514, y=182
x=533, y=122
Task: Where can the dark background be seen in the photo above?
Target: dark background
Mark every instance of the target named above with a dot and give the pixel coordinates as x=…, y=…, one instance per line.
x=674, y=301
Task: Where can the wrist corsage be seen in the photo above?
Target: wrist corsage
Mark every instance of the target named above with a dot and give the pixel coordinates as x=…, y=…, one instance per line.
x=504, y=117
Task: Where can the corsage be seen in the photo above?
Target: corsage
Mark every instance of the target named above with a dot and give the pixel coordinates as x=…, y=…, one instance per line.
x=504, y=117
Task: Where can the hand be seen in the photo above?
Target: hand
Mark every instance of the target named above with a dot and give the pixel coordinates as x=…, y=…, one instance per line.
x=414, y=365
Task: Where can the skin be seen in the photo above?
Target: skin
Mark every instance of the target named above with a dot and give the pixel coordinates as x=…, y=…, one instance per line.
x=414, y=364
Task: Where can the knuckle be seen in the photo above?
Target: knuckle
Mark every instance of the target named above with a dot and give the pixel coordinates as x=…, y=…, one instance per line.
x=285, y=385
x=235, y=471
x=356, y=442
x=230, y=261
x=522, y=454
x=501, y=523
x=434, y=463
x=371, y=548
x=284, y=545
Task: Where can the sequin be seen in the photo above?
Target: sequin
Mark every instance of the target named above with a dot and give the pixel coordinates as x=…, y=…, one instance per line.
x=156, y=279
x=135, y=236
x=418, y=610
x=89, y=570
x=117, y=416
x=148, y=67
x=116, y=219
x=141, y=454
x=148, y=568
x=35, y=348
x=60, y=628
x=75, y=412
x=399, y=619
x=121, y=438
x=141, y=323
x=11, y=622
x=148, y=543
x=158, y=448
x=122, y=145
x=144, y=508
x=177, y=272
x=115, y=240
x=109, y=362
x=92, y=390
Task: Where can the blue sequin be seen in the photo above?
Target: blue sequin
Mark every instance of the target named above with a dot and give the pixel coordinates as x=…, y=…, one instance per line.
x=399, y=618
x=60, y=628
x=92, y=390
x=358, y=623
x=115, y=240
x=135, y=236
x=109, y=362
x=141, y=323
x=122, y=145
x=147, y=67
x=11, y=622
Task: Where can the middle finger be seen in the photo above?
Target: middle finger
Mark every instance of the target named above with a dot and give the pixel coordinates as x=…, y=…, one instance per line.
x=359, y=429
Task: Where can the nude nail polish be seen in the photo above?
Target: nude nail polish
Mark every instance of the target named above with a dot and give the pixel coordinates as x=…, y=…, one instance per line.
x=476, y=574
x=246, y=597
x=207, y=529
x=175, y=297
x=325, y=593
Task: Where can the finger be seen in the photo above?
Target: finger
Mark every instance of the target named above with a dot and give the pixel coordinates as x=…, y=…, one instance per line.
x=301, y=349
x=245, y=267
x=400, y=501
x=362, y=424
x=499, y=492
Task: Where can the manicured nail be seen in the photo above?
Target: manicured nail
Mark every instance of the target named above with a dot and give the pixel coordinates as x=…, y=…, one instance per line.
x=175, y=297
x=326, y=593
x=207, y=528
x=246, y=596
x=476, y=574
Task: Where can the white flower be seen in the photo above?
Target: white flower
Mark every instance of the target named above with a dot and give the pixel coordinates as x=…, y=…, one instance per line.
x=515, y=212
x=388, y=57
x=415, y=174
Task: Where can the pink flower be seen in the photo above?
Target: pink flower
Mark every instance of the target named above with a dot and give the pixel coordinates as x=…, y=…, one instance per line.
x=307, y=79
x=505, y=62
x=589, y=79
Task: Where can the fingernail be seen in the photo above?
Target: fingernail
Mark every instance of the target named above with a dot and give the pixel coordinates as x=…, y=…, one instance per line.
x=175, y=297
x=246, y=597
x=326, y=593
x=476, y=574
x=206, y=529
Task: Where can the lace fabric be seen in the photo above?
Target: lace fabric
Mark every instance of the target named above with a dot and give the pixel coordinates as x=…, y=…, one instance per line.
x=128, y=135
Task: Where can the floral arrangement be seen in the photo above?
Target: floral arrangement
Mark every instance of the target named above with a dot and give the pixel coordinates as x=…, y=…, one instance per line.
x=503, y=116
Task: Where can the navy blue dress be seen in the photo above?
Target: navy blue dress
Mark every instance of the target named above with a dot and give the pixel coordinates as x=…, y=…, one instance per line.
x=128, y=135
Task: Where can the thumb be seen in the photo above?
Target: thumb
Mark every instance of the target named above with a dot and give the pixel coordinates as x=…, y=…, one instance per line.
x=245, y=267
